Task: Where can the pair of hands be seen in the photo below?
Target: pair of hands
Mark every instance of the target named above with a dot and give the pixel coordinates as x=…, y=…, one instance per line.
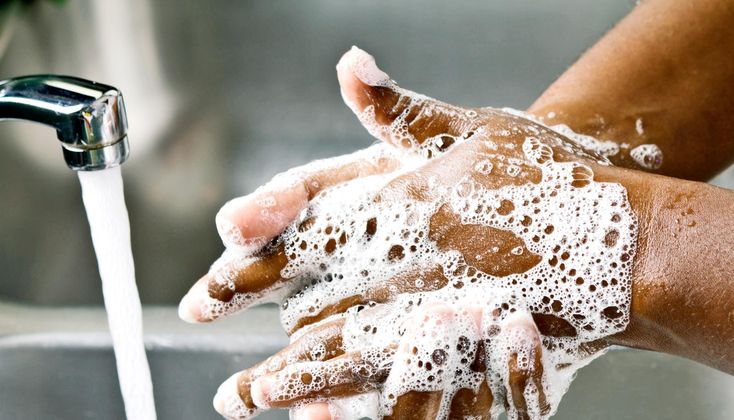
x=451, y=238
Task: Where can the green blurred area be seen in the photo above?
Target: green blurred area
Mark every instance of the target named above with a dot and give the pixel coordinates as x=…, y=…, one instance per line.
x=5, y=3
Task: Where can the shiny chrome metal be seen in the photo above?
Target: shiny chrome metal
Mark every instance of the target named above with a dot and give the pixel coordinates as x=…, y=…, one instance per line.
x=89, y=117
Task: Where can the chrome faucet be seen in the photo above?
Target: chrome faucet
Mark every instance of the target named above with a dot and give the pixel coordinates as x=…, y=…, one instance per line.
x=89, y=117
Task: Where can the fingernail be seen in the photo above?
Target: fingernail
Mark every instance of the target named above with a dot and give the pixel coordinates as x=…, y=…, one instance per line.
x=260, y=391
x=192, y=304
x=227, y=227
x=476, y=312
x=247, y=223
x=439, y=309
x=225, y=390
x=363, y=67
x=189, y=309
x=227, y=400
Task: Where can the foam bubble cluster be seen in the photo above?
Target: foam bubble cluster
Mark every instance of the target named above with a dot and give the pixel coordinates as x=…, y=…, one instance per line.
x=522, y=231
x=576, y=235
x=648, y=156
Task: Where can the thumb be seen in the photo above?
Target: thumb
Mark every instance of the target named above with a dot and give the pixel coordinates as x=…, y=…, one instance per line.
x=396, y=115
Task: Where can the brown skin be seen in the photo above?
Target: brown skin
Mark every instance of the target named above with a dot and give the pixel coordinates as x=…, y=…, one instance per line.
x=342, y=381
x=648, y=197
x=445, y=230
x=666, y=315
x=682, y=294
x=669, y=62
x=671, y=68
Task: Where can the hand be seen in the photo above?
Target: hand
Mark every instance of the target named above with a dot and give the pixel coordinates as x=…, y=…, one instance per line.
x=247, y=224
x=454, y=377
x=489, y=200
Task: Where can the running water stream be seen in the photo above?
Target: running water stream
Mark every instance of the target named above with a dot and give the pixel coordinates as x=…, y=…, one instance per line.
x=104, y=200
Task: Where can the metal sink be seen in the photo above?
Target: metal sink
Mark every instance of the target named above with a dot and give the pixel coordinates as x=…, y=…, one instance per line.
x=59, y=364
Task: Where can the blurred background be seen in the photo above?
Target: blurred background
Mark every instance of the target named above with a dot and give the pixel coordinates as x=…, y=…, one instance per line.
x=223, y=94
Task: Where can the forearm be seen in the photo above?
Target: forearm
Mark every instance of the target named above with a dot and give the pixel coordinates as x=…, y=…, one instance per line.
x=663, y=75
x=683, y=275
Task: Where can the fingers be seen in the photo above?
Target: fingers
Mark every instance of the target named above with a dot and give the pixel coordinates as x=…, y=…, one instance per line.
x=238, y=279
x=229, y=404
x=232, y=284
x=426, y=405
x=439, y=368
x=349, y=374
x=525, y=368
x=301, y=309
x=294, y=376
x=234, y=397
x=362, y=406
x=469, y=404
x=248, y=223
x=395, y=115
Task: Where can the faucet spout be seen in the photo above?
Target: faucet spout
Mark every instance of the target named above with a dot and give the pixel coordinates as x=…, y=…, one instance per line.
x=89, y=117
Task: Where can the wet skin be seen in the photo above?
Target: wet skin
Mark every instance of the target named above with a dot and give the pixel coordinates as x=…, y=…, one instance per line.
x=682, y=299
x=449, y=164
x=657, y=281
x=668, y=64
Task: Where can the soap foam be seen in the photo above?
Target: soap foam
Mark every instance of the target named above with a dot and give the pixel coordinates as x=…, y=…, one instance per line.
x=583, y=230
x=648, y=156
x=294, y=184
x=583, y=233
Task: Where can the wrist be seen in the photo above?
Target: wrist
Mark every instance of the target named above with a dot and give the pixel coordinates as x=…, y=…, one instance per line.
x=682, y=295
x=653, y=263
x=667, y=234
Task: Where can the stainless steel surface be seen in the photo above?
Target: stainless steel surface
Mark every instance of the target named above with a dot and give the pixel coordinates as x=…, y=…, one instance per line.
x=89, y=117
x=59, y=364
x=62, y=368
